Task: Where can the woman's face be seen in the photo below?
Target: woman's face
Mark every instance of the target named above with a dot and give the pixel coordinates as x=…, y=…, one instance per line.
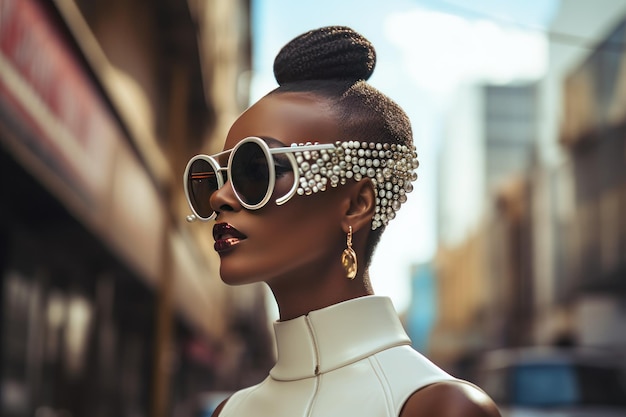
x=301, y=238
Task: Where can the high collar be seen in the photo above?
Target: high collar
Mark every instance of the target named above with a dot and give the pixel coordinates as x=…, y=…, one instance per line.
x=335, y=336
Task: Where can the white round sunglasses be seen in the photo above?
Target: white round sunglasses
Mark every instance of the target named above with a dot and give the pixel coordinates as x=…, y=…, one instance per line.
x=251, y=170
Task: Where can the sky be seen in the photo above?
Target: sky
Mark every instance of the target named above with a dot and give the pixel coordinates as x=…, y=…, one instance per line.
x=425, y=50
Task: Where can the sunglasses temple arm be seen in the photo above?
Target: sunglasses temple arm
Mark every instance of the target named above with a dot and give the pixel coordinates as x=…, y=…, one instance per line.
x=289, y=151
x=292, y=149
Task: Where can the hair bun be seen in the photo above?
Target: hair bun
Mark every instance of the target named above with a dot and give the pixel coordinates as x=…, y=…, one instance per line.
x=328, y=53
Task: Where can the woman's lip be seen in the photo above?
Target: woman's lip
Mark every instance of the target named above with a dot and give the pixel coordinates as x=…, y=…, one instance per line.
x=222, y=245
x=226, y=236
x=225, y=230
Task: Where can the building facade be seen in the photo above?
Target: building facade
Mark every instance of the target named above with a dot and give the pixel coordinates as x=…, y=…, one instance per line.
x=111, y=302
x=544, y=262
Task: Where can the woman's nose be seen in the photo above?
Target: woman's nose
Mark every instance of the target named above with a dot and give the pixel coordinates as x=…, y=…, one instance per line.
x=224, y=199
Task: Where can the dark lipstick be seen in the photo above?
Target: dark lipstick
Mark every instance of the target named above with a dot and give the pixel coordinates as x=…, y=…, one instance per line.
x=226, y=237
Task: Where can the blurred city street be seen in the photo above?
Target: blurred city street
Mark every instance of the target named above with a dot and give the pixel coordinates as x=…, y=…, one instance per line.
x=508, y=267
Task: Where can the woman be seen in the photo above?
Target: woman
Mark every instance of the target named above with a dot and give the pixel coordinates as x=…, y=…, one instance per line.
x=310, y=176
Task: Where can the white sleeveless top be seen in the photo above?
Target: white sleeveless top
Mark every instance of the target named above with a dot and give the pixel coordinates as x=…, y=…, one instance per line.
x=349, y=359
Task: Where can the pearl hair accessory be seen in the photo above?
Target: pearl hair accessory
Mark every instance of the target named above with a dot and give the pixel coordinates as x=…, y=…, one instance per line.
x=389, y=166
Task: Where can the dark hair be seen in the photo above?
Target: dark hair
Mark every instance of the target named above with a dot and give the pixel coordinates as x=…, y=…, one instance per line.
x=335, y=62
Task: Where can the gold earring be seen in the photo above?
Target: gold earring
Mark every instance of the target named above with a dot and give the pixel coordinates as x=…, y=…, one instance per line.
x=348, y=257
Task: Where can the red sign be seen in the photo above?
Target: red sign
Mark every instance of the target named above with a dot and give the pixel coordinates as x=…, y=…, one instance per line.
x=46, y=94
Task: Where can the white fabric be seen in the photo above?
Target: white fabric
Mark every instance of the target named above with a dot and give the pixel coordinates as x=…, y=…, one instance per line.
x=349, y=359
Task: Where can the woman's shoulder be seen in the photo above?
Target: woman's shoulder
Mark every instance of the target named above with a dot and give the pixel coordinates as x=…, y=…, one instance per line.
x=454, y=398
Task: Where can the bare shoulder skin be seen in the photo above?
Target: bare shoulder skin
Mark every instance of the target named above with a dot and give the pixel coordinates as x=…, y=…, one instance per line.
x=450, y=399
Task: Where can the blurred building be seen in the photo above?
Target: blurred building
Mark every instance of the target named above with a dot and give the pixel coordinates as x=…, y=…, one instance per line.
x=489, y=140
x=590, y=233
x=536, y=255
x=511, y=133
x=110, y=302
x=579, y=36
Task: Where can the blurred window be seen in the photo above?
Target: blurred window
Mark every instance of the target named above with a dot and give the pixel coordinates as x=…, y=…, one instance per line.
x=553, y=385
x=544, y=385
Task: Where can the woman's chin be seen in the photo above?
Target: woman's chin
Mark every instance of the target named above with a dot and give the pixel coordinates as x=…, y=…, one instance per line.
x=236, y=275
x=235, y=282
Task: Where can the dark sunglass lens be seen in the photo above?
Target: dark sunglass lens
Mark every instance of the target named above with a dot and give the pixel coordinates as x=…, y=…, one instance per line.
x=201, y=184
x=250, y=173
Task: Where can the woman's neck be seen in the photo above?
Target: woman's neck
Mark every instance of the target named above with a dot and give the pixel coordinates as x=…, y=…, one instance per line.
x=297, y=300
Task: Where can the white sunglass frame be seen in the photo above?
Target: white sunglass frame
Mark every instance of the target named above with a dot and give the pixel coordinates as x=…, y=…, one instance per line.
x=268, y=152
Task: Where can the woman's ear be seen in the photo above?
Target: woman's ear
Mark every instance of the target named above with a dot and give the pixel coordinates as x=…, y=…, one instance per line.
x=362, y=205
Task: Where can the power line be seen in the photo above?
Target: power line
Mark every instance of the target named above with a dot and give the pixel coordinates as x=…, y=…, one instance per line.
x=552, y=36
